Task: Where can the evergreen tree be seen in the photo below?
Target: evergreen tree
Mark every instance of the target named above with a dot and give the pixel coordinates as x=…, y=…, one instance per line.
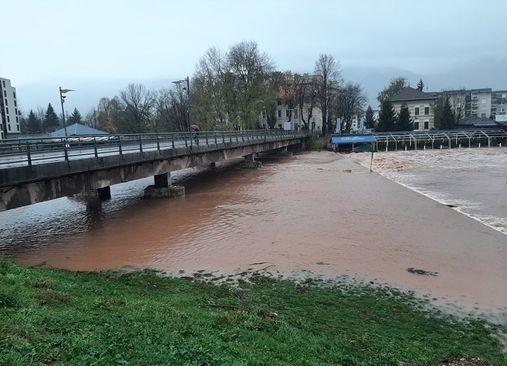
x=51, y=120
x=404, y=123
x=75, y=117
x=444, y=116
x=369, y=120
x=33, y=123
x=386, y=121
x=420, y=85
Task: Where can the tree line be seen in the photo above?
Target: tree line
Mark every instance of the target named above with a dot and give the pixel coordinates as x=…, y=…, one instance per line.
x=228, y=90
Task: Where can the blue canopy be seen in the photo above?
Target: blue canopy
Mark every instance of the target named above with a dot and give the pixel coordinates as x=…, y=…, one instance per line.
x=352, y=139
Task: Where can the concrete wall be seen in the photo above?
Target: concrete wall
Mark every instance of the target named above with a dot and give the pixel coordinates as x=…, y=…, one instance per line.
x=23, y=186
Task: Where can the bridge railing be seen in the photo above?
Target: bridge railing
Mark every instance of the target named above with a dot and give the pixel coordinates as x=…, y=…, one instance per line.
x=31, y=151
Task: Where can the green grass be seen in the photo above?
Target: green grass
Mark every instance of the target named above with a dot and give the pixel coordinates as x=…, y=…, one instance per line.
x=67, y=318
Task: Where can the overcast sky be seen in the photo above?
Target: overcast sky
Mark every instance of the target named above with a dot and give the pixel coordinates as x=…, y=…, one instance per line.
x=98, y=47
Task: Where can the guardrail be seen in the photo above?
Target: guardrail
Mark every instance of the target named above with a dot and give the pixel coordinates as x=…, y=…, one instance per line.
x=50, y=149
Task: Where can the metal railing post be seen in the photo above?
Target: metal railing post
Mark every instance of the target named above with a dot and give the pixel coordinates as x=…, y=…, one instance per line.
x=140, y=144
x=172, y=140
x=215, y=135
x=120, y=150
x=207, y=143
x=65, y=152
x=158, y=143
x=28, y=154
x=95, y=148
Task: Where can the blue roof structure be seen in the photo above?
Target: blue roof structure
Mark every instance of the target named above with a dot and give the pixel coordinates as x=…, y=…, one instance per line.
x=352, y=139
x=77, y=129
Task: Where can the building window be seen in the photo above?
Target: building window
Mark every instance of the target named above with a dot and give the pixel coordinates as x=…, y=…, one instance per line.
x=279, y=114
x=17, y=119
x=5, y=93
x=6, y=110
x=6, y=103
x=14, y=94
x=287, y=113
x=15, y=103
x=279, y=102
x=426, y=125
x=426, y=110
x=8, y=127
x=3, y=82
x=416, y=111
x=416, y=125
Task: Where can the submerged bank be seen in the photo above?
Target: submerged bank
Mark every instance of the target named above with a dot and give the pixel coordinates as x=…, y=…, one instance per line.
x=71, y=318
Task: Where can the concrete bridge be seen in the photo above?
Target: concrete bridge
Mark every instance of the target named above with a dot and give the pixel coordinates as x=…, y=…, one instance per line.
x=36, y=170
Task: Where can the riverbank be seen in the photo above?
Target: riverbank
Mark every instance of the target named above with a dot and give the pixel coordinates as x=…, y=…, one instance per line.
x=50, y=316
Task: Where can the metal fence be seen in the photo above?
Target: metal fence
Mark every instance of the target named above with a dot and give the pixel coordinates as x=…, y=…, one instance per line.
x=440, y=139
x=49, y=149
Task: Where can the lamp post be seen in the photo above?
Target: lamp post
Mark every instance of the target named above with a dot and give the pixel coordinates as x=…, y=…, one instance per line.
x=187, y=81
x=62, y=100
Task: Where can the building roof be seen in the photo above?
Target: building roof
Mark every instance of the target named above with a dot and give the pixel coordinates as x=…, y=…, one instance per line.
x=410, y=94
x=477, y=122
x=77, y=129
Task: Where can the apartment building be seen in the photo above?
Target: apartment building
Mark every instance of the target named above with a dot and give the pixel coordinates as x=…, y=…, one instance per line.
x=481, y=103
x=9, y=110
x=420, y=105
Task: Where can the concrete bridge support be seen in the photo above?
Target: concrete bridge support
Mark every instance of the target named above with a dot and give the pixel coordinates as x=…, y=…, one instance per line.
x=104, y=193
x=163, y=188
x=250, y=162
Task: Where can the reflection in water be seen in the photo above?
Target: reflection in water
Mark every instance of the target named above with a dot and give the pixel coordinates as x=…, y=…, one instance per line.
x=318, y=211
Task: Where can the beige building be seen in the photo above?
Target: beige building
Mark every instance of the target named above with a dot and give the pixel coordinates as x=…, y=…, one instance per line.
x=420, y=105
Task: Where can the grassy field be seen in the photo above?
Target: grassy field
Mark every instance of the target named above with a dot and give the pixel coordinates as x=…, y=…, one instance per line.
x=59, y=317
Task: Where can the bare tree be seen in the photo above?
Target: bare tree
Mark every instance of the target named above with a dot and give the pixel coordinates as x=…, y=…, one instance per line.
x=171, y=110
x=350, y=102
x=328, y=74
x=138, y=103
x=394, y=87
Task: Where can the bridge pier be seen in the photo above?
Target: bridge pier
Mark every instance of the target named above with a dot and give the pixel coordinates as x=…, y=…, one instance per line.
x=250, y=162
x=104, y=193
x=163, y=188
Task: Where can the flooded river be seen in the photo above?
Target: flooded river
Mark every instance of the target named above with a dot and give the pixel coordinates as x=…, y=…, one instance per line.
x=318, y=212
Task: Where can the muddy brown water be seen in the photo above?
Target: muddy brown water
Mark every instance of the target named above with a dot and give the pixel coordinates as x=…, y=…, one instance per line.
x=317, y=212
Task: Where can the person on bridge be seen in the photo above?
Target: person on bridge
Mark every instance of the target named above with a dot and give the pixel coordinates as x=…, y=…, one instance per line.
x=195, y=132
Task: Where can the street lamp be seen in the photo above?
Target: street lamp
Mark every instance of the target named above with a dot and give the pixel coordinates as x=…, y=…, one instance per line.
x=62, y=100
x=187, y=81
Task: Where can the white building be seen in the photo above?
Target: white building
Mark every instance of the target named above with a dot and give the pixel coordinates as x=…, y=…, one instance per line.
x=309, y=117
x=9, y=112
